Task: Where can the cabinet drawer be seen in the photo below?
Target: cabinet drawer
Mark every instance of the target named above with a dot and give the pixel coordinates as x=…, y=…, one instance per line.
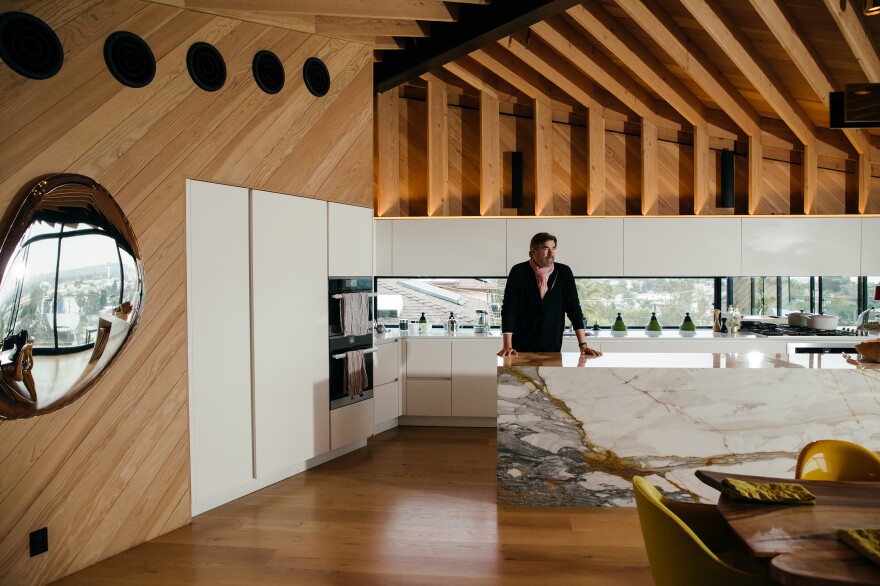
x=429, y=358
x=429, y=397
x=475, y=378
x=386, y=363
x=386, y=402
x=351, y=423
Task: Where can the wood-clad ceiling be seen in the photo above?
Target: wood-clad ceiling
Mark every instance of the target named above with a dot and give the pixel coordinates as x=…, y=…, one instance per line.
x=755, y=75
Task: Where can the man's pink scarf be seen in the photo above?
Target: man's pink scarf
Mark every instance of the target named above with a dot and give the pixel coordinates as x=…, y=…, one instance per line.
x=541, y=273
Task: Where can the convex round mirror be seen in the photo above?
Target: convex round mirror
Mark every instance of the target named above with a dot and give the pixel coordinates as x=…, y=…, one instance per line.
x=70, y=296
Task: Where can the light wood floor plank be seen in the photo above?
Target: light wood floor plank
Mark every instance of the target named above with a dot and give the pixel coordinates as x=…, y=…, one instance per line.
x=416, y=506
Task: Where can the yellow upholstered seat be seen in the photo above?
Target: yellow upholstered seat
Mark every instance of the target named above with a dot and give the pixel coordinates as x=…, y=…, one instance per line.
x=837, y=460
x=684, y=541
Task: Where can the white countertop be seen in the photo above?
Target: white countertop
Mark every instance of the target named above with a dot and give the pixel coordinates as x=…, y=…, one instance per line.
x=751, y=360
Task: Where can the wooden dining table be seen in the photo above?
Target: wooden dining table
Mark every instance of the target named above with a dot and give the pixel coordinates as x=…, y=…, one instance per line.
x=800, y=541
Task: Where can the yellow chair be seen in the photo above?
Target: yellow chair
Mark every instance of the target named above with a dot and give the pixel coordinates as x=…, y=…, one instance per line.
x=684, y=542
x=837, y=460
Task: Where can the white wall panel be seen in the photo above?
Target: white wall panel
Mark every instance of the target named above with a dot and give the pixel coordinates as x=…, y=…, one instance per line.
x=218, y=311
x=382, y=230
x=291, y=372
x=870, y=247
x=350, y=243
x=683, y=247
x=592, y=247
x=799, y=247
x=449, y=248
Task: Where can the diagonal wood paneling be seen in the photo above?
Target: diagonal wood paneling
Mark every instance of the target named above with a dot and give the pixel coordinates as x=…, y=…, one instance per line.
x=112, y=469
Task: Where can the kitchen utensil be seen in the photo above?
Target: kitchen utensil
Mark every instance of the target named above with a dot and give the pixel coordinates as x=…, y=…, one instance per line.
x=716, y=323
x=822, y=322
x=481, y=323
x=798, y=318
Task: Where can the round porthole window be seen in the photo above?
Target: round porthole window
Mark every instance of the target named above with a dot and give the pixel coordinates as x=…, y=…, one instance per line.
x=71, y=293
x=29, y=46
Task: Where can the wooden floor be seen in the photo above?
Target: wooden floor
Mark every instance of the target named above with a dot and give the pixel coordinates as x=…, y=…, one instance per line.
x=416, y=506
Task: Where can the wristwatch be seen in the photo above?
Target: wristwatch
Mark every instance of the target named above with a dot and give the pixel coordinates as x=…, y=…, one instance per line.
x=582, y=344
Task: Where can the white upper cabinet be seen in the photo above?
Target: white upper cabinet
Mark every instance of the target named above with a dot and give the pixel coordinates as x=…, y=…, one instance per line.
x=683, y=247
x=382, y=246
x=218, y=302
x=870, y=247
x=449, y=248
x=291, y=370
x=797, y=247
x=350, y=247
x=592, y=247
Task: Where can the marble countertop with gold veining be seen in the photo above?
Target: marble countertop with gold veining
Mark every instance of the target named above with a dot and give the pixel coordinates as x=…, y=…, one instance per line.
x=749, y=360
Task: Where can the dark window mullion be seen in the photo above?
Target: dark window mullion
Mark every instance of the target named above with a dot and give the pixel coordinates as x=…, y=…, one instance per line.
x=55, y=296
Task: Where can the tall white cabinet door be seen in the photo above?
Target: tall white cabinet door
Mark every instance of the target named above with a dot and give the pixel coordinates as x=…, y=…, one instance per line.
x=291, y=371
x=351, y=240
x=218, y=315
x=475, y=378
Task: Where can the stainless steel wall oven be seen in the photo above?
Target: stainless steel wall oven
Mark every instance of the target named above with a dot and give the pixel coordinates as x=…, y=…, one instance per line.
x=339, y=343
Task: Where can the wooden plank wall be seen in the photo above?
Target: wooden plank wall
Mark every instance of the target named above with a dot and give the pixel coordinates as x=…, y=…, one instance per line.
x=112, y=469
x=837, y=189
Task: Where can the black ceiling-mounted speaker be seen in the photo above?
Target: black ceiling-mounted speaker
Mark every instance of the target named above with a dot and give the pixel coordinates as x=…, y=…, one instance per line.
x=129, y=59
x=29, y=46
x=728, y=172
x=516, y=179
x=268, y=72
x=206, y=66
x=316, y=76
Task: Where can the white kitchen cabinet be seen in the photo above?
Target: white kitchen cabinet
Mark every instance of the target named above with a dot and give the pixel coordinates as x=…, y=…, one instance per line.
x=351, y=423
x=429, y=397
x=682, y=247
x=382, y=234
x=386, y=403
x=218, y=313
x=428, y=359
x=475, y=378
x=870, y=261
x=291, y=392
x=592, y=247
x=473, y=247
x=730, y=346
x=799, y=247
x=386, y=363
x=350, y=244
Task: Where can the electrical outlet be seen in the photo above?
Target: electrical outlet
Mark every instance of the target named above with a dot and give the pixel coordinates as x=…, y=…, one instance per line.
x=39, y=541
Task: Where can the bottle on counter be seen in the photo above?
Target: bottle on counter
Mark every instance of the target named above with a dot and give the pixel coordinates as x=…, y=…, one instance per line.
x=423, y=323
x=618, y=328
x=688, y=327
x=451, y=323
x=653, y=328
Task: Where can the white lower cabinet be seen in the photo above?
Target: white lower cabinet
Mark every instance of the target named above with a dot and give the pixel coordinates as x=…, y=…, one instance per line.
x=630, y=346
x=475, y=378
x=429, y=396
x=351, y=423
x=386, y=403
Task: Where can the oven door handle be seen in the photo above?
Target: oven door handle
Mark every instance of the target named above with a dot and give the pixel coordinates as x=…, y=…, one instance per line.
x=341, y=356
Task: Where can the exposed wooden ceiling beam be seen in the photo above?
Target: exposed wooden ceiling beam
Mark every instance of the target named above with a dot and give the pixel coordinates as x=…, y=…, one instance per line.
x=781, y=23
x=397, y=9
x=728, y=35
x=473, y=74
x=536, y=54
x=604, y=28
x=566, y=41
x=478, y=26
x=666, y=33
x=514, y=72
x=859, y=40
x=334, y=25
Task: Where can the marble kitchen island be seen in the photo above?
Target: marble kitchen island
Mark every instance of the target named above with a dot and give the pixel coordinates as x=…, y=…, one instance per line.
x=574, y=431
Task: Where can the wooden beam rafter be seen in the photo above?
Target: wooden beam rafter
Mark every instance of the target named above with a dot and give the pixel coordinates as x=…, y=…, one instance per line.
x=543, y=159
x=387, y=156
x=514, y=72
x=396, y=9
x=863, y=45
x=473, y=74
x=438, y=148
x=490, y=155
x=336, y=25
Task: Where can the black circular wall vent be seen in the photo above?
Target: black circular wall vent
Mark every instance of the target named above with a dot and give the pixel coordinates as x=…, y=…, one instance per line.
x=206, y=66
x=29, y=46
x=129, y=59
x=317, y=77
x=268, y=72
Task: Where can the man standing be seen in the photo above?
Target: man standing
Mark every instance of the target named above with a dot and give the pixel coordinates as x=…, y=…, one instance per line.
x=538, y=295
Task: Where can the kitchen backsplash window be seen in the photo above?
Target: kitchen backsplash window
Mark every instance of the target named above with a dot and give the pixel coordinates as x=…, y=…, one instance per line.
x=634, y=298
